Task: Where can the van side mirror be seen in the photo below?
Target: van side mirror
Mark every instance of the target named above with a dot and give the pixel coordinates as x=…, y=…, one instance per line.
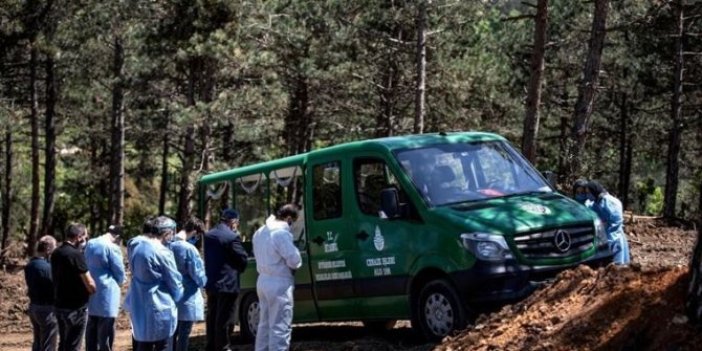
x=389, y=203
x=551, y=177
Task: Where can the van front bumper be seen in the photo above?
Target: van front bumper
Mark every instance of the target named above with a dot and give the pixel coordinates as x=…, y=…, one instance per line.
x=494, y=283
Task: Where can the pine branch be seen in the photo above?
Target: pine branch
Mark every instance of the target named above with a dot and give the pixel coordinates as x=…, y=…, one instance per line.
x=517, y=18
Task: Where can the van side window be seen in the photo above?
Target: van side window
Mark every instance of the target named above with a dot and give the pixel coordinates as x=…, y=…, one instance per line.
x=287, y=186
x=326, y=192
x=370, y=180
x=371, y=176
x=251, y=199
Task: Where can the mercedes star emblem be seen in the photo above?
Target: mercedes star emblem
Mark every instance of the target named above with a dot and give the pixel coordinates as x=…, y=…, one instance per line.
x=562, y=240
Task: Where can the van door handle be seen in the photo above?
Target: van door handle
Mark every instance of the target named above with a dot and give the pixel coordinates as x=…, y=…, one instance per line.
x=362, y=235
x=318, y=240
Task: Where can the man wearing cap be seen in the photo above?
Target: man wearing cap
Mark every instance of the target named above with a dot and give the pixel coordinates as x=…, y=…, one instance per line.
x=104, y=259
x=225, y=258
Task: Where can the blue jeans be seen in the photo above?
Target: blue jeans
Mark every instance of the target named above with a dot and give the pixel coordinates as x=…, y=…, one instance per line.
x=71, y=328
x=181, y=337
x=100, y=333
x=45, y=327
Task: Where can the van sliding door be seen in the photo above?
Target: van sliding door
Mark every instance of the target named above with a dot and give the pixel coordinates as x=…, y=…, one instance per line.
x=332, y=247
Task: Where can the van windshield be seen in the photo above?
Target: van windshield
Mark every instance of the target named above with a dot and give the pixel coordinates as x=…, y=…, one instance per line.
x=454, y=173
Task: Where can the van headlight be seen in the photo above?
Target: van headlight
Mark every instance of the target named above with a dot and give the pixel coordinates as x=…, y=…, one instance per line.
x=487, y=247
x=600, y=233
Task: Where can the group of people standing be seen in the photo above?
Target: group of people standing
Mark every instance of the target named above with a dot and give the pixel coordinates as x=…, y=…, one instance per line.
x=75, y=292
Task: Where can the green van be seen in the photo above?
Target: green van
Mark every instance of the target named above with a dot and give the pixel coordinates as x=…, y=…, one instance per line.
x=429, y=227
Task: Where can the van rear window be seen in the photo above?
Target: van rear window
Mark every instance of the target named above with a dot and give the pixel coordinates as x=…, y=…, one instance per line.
x=326, y=193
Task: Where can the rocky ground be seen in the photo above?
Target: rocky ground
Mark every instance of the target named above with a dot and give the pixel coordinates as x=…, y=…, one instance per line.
x=634, y=308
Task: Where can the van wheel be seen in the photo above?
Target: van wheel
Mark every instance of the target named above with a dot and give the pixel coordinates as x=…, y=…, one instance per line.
x=249, y=316
x=380, y=325
x=438, y=310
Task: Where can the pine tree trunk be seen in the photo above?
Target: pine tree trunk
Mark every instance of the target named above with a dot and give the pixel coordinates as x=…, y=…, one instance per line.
x=674, y=141
x=185, y=183
x=387, y=90
x=587, y=89
x=49, y=147
x=7, y=190
x=297, y=120
x=531, y=119
x=34, y=122
x=117, y=136
x=693, y=304
x=227, y=143
x=95, y=196
x=421, y=67
x=624, y=147
x=563, y=150
x=163, y=191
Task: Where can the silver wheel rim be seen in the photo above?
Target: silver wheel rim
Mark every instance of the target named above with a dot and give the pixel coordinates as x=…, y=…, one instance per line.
x=438, y=314
x=252, y=317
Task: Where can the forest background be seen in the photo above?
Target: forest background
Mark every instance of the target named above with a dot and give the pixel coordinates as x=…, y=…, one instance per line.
x=111, y=110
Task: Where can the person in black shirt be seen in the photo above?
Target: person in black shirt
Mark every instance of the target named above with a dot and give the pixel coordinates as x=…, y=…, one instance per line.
x=225, y=258
x=40, y=289
x=72, y=287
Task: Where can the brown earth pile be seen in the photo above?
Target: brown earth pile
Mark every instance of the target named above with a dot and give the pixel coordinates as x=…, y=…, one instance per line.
x=13, y=299
x=614, y=308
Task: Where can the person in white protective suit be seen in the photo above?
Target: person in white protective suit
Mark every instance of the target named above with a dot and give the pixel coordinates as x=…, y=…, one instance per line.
x=276, y=260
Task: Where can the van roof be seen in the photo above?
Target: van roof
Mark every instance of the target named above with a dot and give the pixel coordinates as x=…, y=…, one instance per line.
x=388, y=143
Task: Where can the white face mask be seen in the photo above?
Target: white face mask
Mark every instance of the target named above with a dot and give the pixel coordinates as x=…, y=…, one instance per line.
x=82, y=244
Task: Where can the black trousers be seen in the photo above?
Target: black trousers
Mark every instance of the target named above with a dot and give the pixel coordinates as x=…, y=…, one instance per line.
x=221, y=315
x=160, y=345
x=100, y=334
x=71, y=328
x=45, y=327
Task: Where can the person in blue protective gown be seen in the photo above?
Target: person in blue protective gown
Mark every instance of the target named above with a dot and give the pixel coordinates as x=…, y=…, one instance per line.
x=611, y=213
x=191, y=307
x=277, y=258
x=147, y=230
x=155, y=289
x=104, y=259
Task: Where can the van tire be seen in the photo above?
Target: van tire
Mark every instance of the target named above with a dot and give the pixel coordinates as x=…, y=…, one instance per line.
x=438, y=311
x=248, y=317
x=380, y=325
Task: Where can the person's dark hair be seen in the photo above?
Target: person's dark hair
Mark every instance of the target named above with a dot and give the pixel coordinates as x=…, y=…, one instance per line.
x=74, y=230
x=287, y=210
x=163, y=225
x=194, y=224
x=595, y=188
x=580, y=183
x=148, y=227
x=228, y=214
x=45, y=243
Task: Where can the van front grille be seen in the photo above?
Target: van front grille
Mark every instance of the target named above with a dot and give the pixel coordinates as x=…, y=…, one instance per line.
x=557, y=243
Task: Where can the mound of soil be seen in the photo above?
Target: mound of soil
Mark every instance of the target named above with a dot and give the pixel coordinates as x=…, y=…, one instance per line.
x=614, y=308
x=13, y=299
